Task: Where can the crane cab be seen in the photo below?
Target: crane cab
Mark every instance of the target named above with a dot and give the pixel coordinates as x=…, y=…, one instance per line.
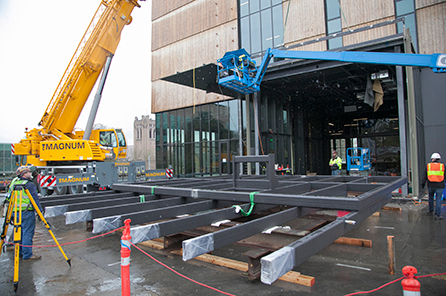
x=111, y=141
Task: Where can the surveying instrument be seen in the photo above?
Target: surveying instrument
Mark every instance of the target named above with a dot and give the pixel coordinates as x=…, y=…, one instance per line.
x=15, y=206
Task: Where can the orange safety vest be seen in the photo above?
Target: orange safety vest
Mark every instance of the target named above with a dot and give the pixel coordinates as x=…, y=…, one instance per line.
x=435, y=172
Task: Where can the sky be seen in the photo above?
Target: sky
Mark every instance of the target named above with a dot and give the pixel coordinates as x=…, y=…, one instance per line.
x=38, y=39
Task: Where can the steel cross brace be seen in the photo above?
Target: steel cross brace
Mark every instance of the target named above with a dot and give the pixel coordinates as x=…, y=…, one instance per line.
x=212, y=241
x=280, y=262
x=89, y=214
x=161, y=229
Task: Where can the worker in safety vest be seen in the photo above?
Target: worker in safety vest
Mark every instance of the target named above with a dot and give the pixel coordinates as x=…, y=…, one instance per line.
x=24, y=175
x=434, y=177
x=335, y=164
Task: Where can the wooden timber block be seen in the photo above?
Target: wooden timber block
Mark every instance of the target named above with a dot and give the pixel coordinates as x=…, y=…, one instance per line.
x=354, y=242
x=254, y=267
x=291, y=276
x=376, y=214
x=396, y=209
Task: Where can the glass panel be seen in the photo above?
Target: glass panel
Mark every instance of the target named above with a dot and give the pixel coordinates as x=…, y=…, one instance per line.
x=215, y=157
x=404, y=6
x=244, y=31
x=233, y=119
x=285, y=122
x=108, y=139
x=254, y=6
x=275, y=2
x=181, y=161
x=121, y=138
x=334, y=26
x=196, y=124
x=188, y=133
x=277, y=25
x=206, y=158
x=265, y=4
x=197, y=157
x=332, y=7
x=244, y=7
x=255, y=33
x=165, y=139
x=180, y=125
x=213, y=115
x=173, y=127
x=410, y=24
x=335, y=43
x=189, y=160
x=224, y=120
x=267, y=29
x=158, y=124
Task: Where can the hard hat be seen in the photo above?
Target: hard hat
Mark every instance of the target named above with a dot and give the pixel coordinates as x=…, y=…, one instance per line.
x=435, y=156
x=22, y=170
x=334, y=151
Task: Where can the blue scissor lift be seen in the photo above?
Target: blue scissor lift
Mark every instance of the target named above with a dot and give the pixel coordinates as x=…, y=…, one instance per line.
x=358, y=159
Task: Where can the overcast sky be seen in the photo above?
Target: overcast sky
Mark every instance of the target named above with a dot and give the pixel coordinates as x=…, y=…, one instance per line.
x=38, y=39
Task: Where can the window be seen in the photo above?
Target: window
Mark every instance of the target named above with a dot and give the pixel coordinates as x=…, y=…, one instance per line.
x=406, y=9
x=261, y=24
x=333, y=23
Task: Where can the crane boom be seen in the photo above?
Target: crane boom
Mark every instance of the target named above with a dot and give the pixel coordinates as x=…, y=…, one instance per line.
x=56, y=141
x=237, y=70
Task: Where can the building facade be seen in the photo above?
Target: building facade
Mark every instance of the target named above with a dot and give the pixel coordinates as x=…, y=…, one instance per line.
x=305, y=108
x=144, y=135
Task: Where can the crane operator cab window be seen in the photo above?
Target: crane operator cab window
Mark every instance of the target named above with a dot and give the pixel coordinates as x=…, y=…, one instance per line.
x=108, y=139
x=121, y=138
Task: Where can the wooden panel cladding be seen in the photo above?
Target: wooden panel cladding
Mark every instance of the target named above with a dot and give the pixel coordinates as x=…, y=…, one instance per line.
x=200, y=49
x=317, y=46
x=370, y=34
x=163, y=7
x=361, y=12
x=425, y=3
x=194, y=18
x=169, y=96
x=306, y=20
x=432, y=28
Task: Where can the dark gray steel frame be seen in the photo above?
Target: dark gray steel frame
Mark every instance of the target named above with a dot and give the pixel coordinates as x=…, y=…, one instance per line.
x=303, y=193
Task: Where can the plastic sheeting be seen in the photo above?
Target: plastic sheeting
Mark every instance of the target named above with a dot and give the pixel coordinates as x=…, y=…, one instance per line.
x=198, y=246
x=276, y=264
x=144, y=233
x=77, y=216
x=55, y=211
x=107, y=223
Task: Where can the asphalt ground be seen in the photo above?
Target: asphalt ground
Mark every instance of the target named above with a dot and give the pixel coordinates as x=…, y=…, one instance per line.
x=420, y=241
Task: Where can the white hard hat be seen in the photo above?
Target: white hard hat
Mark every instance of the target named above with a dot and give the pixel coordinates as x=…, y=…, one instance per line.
x=435, y=156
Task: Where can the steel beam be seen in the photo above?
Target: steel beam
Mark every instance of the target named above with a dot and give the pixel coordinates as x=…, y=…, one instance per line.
x=55, y=211
x=209, y=242
x=88, y=214
x=280, y=262
x=65, y=201
x=109, y=223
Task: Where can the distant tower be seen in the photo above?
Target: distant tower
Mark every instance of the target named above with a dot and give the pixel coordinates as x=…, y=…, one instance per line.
x=144, y=130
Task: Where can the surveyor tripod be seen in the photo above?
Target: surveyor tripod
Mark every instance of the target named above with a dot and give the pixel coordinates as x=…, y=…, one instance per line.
x=15, y=207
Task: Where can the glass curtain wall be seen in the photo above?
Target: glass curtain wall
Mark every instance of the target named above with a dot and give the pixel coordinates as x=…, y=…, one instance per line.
x=195, y=141
x=261, y=24
x=333, y=22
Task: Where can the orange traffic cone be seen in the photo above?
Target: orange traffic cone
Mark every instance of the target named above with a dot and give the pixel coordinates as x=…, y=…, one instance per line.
x=411, y=287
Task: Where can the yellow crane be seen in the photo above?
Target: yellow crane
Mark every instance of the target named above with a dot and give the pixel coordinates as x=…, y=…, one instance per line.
x=56, y=142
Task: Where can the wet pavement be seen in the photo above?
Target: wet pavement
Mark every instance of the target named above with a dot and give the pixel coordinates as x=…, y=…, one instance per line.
x=420, y=241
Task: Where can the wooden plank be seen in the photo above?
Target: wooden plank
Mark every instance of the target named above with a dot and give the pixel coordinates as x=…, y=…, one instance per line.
x=391, y=250
x=396, y=209
x=291, y=276
x=367, y=243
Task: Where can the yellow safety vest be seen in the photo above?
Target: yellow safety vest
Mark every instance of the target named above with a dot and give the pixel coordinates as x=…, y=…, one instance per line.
x=435, y=172
x=26, y=203
x=337, y=161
